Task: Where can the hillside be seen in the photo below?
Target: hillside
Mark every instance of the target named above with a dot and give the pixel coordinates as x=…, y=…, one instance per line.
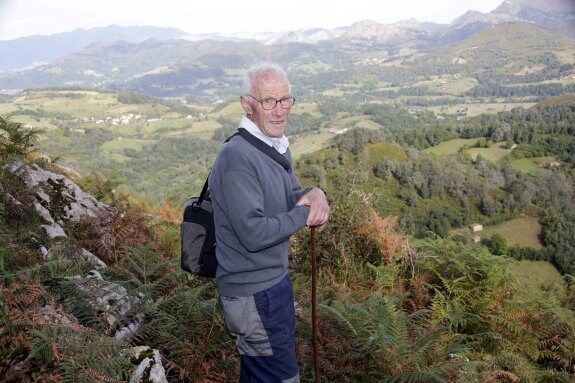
x=339, y=85
x=162, y=150
x=92, y=292
x=510, y=48
x=449, y=178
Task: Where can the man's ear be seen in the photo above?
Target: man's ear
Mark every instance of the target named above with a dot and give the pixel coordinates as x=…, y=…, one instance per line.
x=246, y=104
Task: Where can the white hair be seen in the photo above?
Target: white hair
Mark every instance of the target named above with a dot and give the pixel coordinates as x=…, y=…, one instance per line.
x=264, y=66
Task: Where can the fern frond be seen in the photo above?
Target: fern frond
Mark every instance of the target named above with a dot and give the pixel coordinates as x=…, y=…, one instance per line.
x=502, y=376
x=98, y=377
x=23, y=295
x=76, y=302
x=51, y=269
x=415, y=377
x=41, y=348
x=16, y=141
x=339, y=317
x=87, y=359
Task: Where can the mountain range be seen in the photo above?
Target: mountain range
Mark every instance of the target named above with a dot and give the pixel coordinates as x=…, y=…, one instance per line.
x=154, y=60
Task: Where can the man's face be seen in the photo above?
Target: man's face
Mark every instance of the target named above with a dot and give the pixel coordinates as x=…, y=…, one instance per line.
x=267, y=85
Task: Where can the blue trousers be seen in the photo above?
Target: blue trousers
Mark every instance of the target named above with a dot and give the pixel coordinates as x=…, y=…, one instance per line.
x=264, y=327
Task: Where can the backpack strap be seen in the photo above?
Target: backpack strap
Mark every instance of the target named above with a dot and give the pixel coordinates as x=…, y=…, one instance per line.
x=265, y=148
x=258, y=144
x=205, y=192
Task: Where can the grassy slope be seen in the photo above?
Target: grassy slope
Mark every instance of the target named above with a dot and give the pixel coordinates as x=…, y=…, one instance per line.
x=533, y=165
x=533, y=277
x=494, y=154
x=522, y=231
x=451, y=146
x=523, y=41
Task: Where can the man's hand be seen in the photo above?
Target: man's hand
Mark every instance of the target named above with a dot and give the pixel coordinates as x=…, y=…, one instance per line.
x=318, y=208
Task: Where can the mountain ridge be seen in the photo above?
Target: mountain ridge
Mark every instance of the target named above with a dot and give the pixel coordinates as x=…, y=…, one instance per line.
x=33, y=51
x=558, y=15
x=166, y=63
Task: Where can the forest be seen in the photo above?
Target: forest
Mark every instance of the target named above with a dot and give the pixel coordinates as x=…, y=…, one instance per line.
x=477, y=189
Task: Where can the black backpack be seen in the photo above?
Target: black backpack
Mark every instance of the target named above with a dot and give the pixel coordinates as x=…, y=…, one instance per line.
x=197, y=231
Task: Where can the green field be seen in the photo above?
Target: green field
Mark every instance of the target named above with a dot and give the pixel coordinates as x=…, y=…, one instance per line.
x=522, y=231
x=452, y=84
x=115, y=149
x=383, y=150
x=351, y=122
x=233, y=111
x=73, y=104
x=309, y=143
x=475, y=109
x=493, y=154
x=533, y=166
x=368, y=124
x=305, y=107
x=533, y=277
x=451, y=146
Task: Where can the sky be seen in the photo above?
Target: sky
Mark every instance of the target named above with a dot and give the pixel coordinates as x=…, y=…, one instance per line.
x=19, y=18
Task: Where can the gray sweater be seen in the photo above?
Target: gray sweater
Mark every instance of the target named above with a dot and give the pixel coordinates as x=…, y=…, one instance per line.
x=255, y=213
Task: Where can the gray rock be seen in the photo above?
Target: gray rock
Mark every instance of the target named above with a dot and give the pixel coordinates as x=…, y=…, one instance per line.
x=150, y=368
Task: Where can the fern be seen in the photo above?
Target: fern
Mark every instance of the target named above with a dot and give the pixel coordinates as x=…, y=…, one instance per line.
x=393, y=343
x=144, y=266
x=41, y=348
x=189, y=332
x=4, y=237
x=76, y=302
x=53, y=269
x=16, y=142
x=415, y=377
x=93, y=359
x=340, y=317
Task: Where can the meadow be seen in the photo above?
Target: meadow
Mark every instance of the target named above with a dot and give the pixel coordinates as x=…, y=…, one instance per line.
x=494, y=154
x=533, y=278
x=533, y=165
x=472, y=109
x=522, y=231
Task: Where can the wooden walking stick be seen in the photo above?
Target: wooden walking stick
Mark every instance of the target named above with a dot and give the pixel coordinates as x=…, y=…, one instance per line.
x=313, y=306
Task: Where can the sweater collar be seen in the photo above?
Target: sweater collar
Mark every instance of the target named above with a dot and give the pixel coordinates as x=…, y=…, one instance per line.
x=281, y=144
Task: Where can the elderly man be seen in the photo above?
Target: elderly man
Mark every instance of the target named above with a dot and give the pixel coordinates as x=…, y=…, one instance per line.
x=258, y=205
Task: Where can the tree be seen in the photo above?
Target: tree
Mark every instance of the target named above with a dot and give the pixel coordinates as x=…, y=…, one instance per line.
x=498, y=244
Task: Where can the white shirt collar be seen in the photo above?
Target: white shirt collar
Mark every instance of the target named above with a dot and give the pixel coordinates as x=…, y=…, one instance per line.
x=281, y=144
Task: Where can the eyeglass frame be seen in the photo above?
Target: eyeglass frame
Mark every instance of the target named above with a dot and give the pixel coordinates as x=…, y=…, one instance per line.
x=276, y=100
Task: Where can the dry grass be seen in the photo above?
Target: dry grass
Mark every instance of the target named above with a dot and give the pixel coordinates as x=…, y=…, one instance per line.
x=383, y=232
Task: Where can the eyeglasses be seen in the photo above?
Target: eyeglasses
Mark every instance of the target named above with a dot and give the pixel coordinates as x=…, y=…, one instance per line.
x=270, y=103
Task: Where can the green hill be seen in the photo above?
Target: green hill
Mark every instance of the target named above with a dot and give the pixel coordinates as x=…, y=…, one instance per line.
x=512, y=49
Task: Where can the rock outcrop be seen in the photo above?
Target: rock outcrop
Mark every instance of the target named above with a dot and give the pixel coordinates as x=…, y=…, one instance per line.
x=60, y=203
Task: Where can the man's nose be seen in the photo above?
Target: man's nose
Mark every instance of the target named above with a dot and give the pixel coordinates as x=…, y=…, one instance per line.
x=278, y=110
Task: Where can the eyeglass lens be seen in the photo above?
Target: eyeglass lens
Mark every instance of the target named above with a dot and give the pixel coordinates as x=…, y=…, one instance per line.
x=270, y=103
